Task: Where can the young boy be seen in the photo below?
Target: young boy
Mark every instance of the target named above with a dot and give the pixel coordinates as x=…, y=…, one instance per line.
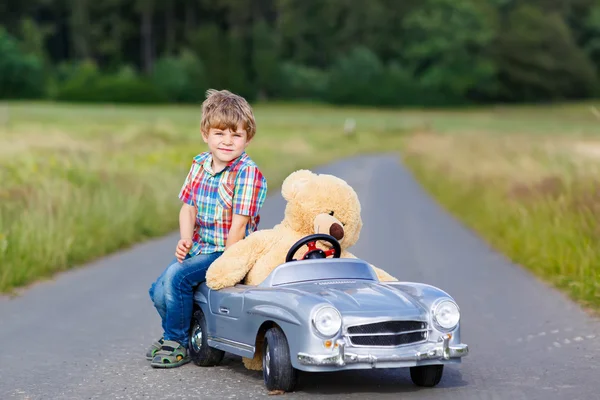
x=222, y=195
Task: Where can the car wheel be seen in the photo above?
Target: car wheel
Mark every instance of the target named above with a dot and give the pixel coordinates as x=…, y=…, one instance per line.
x=426, y=375
x=200, y=353
x=278, y=372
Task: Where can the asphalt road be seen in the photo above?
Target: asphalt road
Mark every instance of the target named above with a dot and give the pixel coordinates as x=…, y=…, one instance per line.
x=84, y=335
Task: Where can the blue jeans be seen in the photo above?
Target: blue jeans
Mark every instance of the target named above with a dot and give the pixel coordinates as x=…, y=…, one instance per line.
x=173, y=294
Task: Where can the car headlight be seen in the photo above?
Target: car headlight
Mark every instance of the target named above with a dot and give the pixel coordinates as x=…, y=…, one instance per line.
x=446, y=314
x=327, y=321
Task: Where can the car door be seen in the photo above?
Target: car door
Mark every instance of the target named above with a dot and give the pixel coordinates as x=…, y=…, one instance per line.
x=227, y=307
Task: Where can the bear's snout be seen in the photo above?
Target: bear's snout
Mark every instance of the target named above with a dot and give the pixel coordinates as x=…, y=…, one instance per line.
x=330, y=225
x=336, y=231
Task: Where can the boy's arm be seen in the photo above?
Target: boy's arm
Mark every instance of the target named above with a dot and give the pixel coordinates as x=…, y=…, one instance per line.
x=238, y=229
x=187, y=221
x=187, y=214
x=249, y=193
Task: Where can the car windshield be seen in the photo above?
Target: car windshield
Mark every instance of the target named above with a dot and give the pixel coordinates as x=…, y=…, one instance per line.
x=320, y=269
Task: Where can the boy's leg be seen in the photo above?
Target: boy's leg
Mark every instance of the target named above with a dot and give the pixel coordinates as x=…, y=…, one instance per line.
x=157, y=295
x=178, y=284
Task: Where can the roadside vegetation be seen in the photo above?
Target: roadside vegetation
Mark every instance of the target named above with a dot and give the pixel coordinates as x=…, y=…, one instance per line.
x=78, y=182
x=81, y=181
x=528, y=181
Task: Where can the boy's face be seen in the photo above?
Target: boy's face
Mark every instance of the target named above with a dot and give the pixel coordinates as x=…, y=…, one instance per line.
x=225, y=145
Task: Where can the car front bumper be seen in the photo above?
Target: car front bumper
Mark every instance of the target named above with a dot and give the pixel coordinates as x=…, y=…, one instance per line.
x=340, y=357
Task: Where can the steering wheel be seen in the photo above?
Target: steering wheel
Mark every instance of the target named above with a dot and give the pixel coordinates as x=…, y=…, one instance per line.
x=313, y=251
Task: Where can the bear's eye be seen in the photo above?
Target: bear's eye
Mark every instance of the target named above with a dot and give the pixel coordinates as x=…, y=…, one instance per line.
x=331, y=213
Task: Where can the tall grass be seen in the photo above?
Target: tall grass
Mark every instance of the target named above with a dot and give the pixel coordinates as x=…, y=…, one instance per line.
x=78, y=182
x=534, y=198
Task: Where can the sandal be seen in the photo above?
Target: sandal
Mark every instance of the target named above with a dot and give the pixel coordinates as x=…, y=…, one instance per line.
x=170, y=355
x=154, y=347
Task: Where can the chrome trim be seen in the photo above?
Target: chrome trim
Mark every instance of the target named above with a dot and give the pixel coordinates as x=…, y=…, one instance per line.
x=348, y=335
x=387, y=333
x=340, y=357
x=372, y=321
x=232, y=343
x=196, y=337
x=350, y=344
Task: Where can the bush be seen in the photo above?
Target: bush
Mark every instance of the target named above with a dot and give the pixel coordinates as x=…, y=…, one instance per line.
x=180, y=79
x=169, y=76
x=360, y=78
x=398, y=86
x=301, y=82
x=196, y=74
x=21, y=75
x=356, y=78
x=87, y=84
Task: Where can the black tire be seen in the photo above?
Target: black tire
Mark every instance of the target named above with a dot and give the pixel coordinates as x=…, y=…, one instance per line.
x=278, y=372
x=426, y=375
x=200, y=353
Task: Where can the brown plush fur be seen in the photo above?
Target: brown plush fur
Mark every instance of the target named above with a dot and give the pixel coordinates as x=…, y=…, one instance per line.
x=315, y=204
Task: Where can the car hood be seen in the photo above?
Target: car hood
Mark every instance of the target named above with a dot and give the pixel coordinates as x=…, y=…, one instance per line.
x=360, y=297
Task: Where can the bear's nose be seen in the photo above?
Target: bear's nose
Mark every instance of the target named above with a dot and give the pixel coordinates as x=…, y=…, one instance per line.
x=336, y=231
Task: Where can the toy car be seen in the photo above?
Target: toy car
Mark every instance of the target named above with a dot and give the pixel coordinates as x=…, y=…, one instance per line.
x=328, y=314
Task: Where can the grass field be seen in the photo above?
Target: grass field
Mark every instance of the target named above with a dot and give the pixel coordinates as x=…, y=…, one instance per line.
x=79, y=181
x=529, y=184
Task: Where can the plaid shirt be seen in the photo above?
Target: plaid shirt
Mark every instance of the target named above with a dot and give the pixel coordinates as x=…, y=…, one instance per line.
x=240, y=188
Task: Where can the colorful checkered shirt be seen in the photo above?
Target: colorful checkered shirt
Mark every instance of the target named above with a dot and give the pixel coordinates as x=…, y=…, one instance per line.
x=240, y=188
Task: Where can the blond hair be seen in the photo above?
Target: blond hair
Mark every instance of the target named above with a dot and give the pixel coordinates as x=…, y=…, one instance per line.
x=223, y=109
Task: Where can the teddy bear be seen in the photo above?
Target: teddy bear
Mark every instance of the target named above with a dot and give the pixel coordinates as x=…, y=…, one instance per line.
x=316, y=203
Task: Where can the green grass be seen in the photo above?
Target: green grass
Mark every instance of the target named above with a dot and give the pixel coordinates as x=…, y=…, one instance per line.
x=81, y=181
x=535, y=198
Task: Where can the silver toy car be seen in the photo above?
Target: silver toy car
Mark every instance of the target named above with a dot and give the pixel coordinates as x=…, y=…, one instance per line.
x=319, y=314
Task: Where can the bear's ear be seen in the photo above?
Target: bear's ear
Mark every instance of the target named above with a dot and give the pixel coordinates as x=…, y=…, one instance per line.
x=295, y=182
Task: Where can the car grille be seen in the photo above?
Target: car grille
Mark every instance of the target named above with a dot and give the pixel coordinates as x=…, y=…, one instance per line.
x=388, y=333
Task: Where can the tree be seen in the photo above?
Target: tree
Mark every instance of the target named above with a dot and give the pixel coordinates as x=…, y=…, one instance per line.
x=145, y=8
x=591, y=43
x=265, y=59
x=21, y=74
x=447, y=45
x=538, y=59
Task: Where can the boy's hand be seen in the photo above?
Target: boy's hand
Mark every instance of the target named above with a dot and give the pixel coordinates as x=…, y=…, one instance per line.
x=183, y=247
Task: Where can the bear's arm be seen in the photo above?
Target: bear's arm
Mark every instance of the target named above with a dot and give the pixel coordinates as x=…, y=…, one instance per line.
x=233, y=265
x=381, y=274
